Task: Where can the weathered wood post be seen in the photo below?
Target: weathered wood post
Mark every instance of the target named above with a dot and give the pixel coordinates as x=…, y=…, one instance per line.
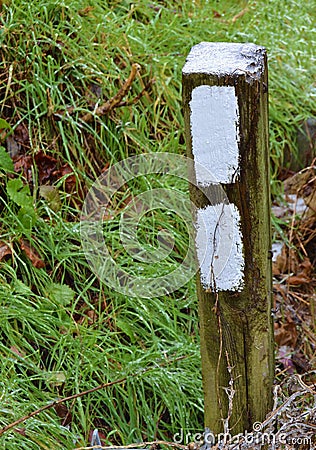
x=226, y=120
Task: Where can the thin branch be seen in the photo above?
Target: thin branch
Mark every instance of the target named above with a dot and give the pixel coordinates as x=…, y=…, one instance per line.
x=114, y=101
x=81, y=394
x=138, y=445
x=240, y=14
x=58, y=402
x=138, y=96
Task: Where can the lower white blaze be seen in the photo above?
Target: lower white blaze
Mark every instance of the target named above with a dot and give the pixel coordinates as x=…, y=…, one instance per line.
x=219, y=248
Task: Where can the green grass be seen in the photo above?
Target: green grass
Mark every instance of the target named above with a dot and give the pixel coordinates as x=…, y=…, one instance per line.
x=64, y=331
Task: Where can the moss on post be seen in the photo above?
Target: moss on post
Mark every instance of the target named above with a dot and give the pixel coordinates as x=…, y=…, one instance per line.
x=235, y=314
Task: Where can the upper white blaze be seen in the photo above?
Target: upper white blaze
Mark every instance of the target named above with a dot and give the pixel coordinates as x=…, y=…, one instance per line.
x=215, y=134
x=219, y=248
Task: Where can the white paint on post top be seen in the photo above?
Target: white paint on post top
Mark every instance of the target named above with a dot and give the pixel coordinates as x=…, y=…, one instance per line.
x=219, y=248
x=222, y=58
x=215, y=134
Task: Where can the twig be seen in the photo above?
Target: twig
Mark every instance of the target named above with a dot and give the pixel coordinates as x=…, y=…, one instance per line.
x=81, y=394
x=138, y=96
x=58, y=402
x=282, y=407
x=114, y=101
x=240, y=14
x=138, y=445
x=230, y=391
x=7, y=87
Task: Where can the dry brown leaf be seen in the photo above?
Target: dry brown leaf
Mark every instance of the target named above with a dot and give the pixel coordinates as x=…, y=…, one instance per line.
x=4, y=250
x=295, y=183
x=301, y=362
x=286, y=333
x=21, y=431
x=286, y=262
x=92, y=317
x=216, y=14
x=32, y=254
x=306, y=267
x=63, y=413
x=70, y=179
x=303, y=184
x=297, y=280
x=304, y=274
x=46, y=167
x=24, y=164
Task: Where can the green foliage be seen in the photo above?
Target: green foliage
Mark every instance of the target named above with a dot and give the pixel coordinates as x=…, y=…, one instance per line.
x=4, y=124
x=6, y=163
x=60, y=294
x=20, y=195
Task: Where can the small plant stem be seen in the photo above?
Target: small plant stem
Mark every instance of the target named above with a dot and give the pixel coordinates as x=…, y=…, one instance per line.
x=116, y=99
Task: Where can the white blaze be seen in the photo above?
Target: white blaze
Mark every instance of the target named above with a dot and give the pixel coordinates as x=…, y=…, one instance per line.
x=219, y=248
x=215, y=134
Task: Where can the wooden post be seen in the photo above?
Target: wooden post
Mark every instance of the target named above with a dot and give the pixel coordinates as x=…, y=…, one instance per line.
x=226, y=122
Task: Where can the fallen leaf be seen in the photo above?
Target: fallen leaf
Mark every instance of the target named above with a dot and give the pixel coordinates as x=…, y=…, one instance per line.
x=24, y=164
x=19, y=141
x=93, y=95
x=13, y=146
x=21, y=431
x=306, y=267
x=92, y=317
x=303, y=185
x=286, y=262
x=285, y=333
x=304, y=274
x=52, y=197
x=63, y=413
x=4, y=250
x=295, y=183
x=32, y=254
x=297, y=280
x=21, y=135
x=301, y=362
x=69, y=177
x=46, y=167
